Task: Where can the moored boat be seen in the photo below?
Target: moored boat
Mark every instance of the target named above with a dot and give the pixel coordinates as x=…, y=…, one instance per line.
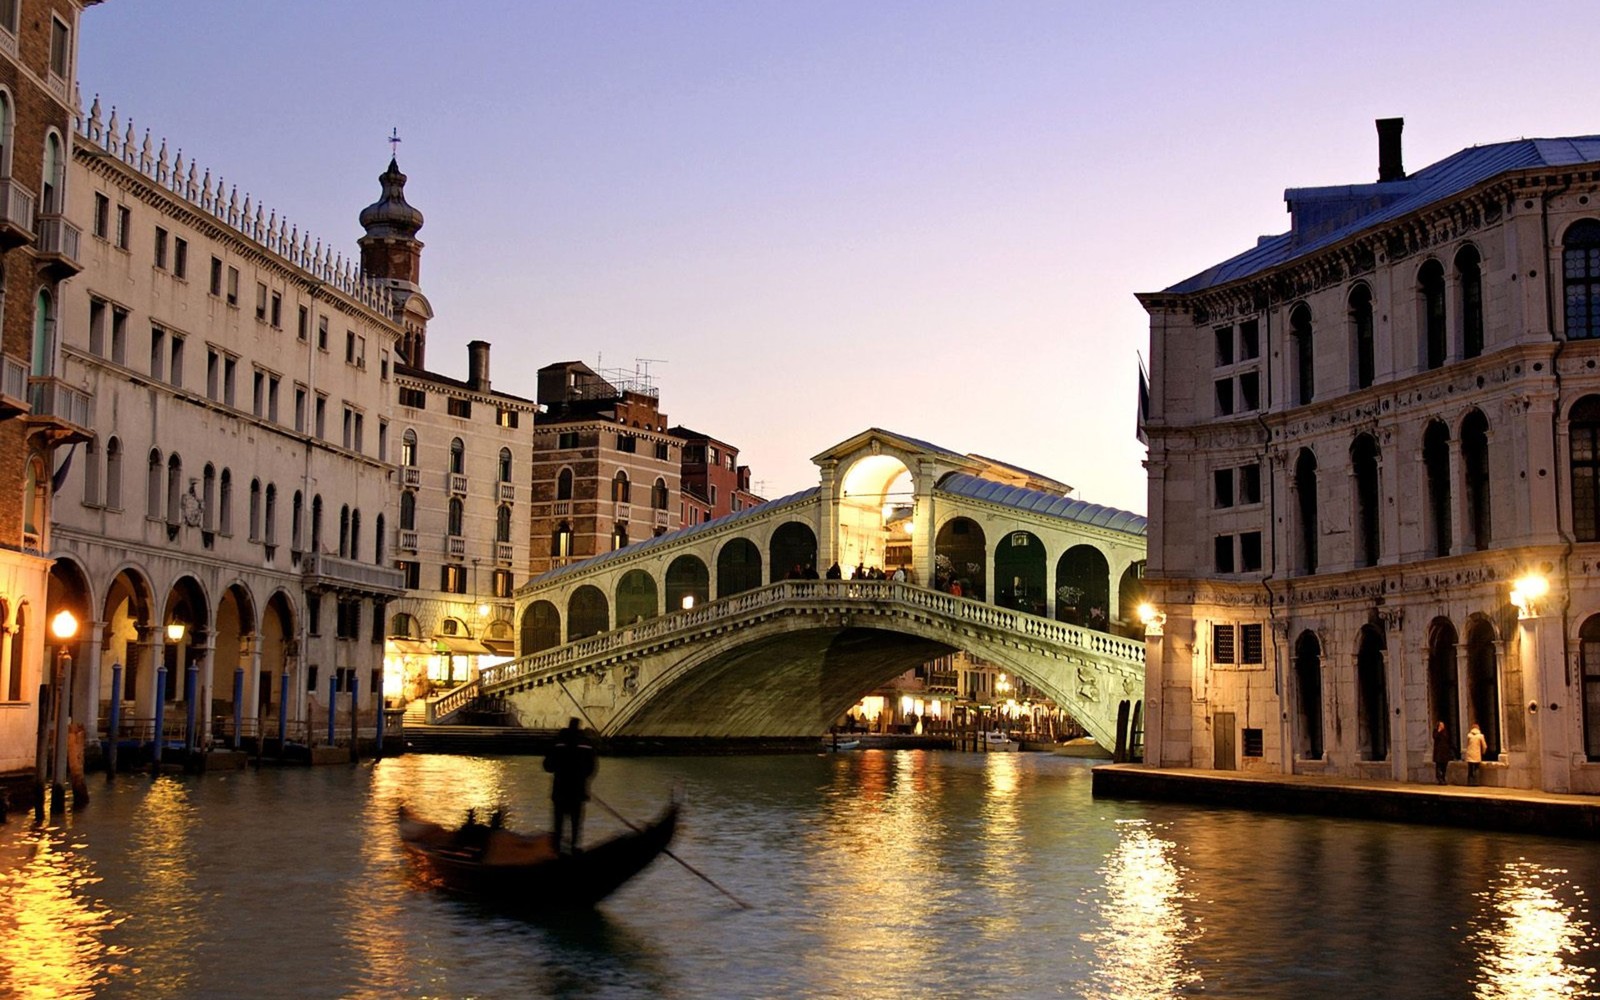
x=997, y=740
x=524, y=871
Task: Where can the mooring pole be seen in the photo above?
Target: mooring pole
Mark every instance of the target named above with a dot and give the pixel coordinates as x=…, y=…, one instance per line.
x=238, y=705
x=161, y=718
x=355, y=733
x=115, y=722
x=283, y=714
x=333, y=703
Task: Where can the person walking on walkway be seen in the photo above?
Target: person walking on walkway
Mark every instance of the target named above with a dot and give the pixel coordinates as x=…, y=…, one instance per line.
x=1473, y=753
x=572, y=763
x=1444, y=751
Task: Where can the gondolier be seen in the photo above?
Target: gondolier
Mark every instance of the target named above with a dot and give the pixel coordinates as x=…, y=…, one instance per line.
x=571, y=762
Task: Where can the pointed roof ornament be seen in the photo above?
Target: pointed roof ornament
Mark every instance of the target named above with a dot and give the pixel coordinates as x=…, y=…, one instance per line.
x=94, y=119
x=391, y=216
x=129, y=138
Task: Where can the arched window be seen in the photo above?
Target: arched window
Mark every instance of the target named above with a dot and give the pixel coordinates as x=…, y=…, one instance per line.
x=1308, y=701
x=1304, y=354
x=1475, y=466
x=19, y=644
x=355, y=534
x=1583, y=431
x=564, y=485
x=561, y=542
x=1483, y=684
x=316, y=523
x=1430, y=289
x=408, y=511
x=225, y=503
x=91, y=469
x=1580, y=262
x=619, y=487
x=505, y=465
x=1436, y=467
x=51, y=183
x=658, y=494
x=1443, y=699
x=619, y=535
x=255, y=510
x=344, y=531
x=297, y=515
x=377, y=542
x=174, y=489
x=114, y=474
x=456, y=514
x=458, y=457
x=6, y=123
x=408, y=448
x=1469, y=275
x=1361, y=335
x=44, y=333
x=269, y=530
x=1589, y=654
x=1372, y=696
x=502, y=524
x=152, y=486
x=1305, y=489
x=208, y=498
x=1364, y=463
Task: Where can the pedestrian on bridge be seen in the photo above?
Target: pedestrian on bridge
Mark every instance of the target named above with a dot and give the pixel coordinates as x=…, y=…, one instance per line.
x=572, y=763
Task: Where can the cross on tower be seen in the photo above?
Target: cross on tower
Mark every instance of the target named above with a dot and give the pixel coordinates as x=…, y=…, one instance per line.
x=394, y=142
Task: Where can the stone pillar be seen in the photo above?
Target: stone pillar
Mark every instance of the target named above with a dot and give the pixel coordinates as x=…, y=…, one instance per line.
x=250, y=659
x=203, y=690
x=86, y=682
x=1458, y=497
x=151, y=652
x=1546, y=709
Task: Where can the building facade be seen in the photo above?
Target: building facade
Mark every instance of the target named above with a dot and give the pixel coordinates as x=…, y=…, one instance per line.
x=41, y=414
x=714, y=483
x=606, y=471
x=226, y=530
x=1375, y=478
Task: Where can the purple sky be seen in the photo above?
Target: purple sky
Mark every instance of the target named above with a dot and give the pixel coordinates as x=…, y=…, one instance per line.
x=929, y=217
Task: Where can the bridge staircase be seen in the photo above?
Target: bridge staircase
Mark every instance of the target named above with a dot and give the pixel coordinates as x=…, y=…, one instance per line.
x=465, y=720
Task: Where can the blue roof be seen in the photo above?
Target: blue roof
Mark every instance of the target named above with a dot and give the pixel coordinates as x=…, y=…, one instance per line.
x=1039, y=502
x=637, y=548
x=1376, y=204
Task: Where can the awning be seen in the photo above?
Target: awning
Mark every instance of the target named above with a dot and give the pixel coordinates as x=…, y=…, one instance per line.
x=410, y=647
x=501, y=647
x=459, y=645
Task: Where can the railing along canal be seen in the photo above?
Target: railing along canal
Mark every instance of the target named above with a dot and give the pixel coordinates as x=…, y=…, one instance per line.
x=792, y=592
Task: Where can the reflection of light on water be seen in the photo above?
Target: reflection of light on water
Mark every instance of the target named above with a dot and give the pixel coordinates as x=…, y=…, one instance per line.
x=51, y=929
x=1001, y=833
x=162, y=853
x=1528, y=940
x=1141, y=949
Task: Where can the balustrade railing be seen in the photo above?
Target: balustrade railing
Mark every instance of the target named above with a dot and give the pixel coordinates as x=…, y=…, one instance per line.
x=411, y=476
x=13, y=378
x=453, y=701
x=508, y=492
x=16, y=206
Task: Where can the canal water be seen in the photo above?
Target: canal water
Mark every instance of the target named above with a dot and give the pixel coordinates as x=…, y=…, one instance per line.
x=877, y=874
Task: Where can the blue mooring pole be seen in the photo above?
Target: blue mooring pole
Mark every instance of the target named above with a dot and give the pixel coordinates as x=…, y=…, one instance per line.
x=355, y=717
x=191, y=691
x=161, y=717
x=333, y=703
x=283, y=713
x=377, y=701
x=238, y=704
x=115, y=723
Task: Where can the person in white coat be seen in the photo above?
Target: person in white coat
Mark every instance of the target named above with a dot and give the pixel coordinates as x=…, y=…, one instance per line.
x=1473, y=752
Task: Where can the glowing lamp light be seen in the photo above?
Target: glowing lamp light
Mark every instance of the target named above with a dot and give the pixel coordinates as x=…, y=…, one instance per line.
x=64, y=625
x=1152, y=619
x=910, y=527
x=688, y=602
x=1526, y=592
x=483, y=611
x=175, y=632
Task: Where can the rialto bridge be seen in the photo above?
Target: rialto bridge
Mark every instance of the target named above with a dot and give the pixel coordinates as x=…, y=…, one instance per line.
x=737, y=628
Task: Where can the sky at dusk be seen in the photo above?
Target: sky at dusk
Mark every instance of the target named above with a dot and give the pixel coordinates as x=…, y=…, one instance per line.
x=819, y=217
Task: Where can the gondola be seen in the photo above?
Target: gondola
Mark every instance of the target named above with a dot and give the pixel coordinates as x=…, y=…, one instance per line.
x=523, y=871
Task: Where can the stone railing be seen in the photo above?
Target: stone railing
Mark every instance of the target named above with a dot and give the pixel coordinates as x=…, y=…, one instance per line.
x=331, y=571
x=453, y=701
x=49, y=397
x=16, y=205
x=790, y=594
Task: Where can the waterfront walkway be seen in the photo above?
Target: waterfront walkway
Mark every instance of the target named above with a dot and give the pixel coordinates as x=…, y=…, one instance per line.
x=1510, y=809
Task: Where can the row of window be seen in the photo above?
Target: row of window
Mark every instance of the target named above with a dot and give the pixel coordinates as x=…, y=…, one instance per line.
x=453, y=578
x=60, y=37
x=455, y=517
x=455, y=406
x=627, y=443
x=458, y=456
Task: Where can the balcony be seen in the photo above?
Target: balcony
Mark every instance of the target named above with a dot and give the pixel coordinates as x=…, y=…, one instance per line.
x=457, y=483
x=410, y=476
x=57, y=410
x=16, y=215
x=407, y=541
x=622, y=511
x=561, y=508
x=455, y=546
x=331, y=572
x=502, y=553
x=57, y=252
x=661, y=518
x=13, y=386
x=508, y=493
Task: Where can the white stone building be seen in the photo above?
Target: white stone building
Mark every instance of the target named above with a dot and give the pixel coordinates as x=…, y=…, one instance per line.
x=1375, y=478
x=238, y=481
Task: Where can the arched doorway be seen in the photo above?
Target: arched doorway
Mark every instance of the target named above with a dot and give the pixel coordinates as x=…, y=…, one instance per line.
x=275, y=638
x=587, y=613
x=960, y=554
x=1130, y=594
x=793, y=546
x=68, y=590
x=1444, y=703
x=688, y=583
x=1483, y=683
x=1083, y=587
x=187, y=632
x=1308, y=696
x=1019, y=572
x=873, y=492
x=1372, y=696
x=541, y=628
x=126, y=611
x=738, y=567
x=236, y=620
x=636, y=597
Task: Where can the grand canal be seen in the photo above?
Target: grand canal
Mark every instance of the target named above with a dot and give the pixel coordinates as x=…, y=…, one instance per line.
x=871, y=874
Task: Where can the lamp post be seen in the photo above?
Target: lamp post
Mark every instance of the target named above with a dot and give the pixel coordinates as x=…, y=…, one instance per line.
x=64, y=626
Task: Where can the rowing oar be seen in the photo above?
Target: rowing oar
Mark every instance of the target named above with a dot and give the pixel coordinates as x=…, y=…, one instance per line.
x=668, y=852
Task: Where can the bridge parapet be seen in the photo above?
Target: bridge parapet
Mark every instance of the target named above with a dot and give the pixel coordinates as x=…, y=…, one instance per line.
x=801, y=595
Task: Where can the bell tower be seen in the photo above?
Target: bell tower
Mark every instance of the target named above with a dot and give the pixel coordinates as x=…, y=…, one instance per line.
x=392, y=254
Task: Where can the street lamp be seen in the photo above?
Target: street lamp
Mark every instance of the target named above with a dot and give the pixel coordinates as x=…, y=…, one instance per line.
x=64, y=626
x=175, y=632
x=1526, y=592
x=1154, y=621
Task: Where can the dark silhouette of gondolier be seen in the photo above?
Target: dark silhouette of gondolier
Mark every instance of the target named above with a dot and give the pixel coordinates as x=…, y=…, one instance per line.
x=572, y=763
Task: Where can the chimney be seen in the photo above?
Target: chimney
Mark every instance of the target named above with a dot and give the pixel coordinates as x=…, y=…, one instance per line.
x=478, y=365
x=1389, y=165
